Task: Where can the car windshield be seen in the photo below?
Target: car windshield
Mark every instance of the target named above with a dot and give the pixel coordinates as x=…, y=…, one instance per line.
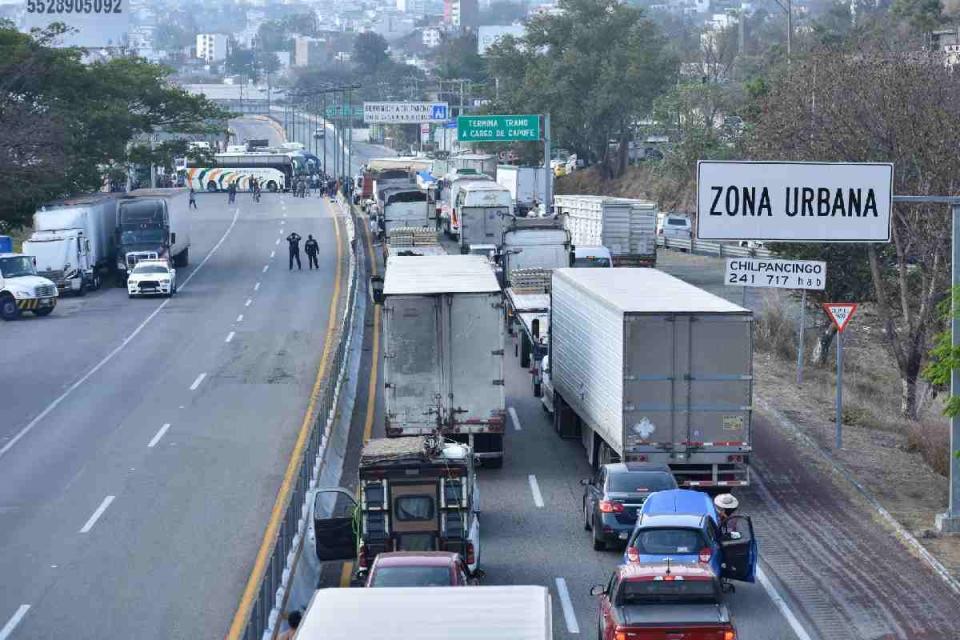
x=17, y=266
x=411, y=577
x=669, y=541
x=591, y=262
x=134, y=236
x=640, y=482
x=660, y=591
x=150, y=268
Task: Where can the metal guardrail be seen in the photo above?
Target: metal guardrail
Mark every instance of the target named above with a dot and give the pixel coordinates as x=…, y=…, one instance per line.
x=263, y=615
x=712, y=248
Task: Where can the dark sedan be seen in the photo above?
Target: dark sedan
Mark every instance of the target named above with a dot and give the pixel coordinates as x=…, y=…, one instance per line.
x=614, y=495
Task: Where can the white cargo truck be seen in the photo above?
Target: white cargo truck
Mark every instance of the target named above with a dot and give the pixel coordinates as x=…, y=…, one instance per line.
x=533, y=243
x=153, y=224
x=627, y=227
x=21, y=289
x=422, y=613
x=482, y=209
x=443, y=351
x=645, y=367
x=406, y=207
x=449, y=188
x=73, y=241
x=525, y=184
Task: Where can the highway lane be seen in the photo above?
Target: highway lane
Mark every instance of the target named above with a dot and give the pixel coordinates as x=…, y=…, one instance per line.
x=113, y=524
x=522, y=541
x=256, y=127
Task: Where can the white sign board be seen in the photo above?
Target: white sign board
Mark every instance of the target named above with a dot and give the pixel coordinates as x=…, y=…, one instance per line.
x=776, y=274
x=794, y=201
x=97, y=23
x=404, y=112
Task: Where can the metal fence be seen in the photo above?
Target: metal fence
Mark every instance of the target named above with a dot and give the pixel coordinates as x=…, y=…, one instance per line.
x=712, y=248
x=263, y=615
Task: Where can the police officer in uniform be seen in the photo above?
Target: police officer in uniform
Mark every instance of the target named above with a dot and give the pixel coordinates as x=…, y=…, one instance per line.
x=293, y=240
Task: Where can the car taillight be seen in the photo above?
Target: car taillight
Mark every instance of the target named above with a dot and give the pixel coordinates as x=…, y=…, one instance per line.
x=705, y=555
x=619, y=634
x=611, y=506
x=730, y=635
x=362, y=557
x=633, y=554
x=471, y=554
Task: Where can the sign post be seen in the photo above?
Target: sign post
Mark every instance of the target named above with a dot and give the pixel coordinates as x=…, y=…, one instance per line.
x=779, y=274
x=840, y=313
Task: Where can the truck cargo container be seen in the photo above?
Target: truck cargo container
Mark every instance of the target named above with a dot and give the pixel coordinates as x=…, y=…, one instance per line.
x=421, y=613
x=484, y=163
x=449, y=188
x=153, y=224
x=525, y=184
x=627, y=227
x=645, y=367
x=443, y=351
x=482, y=209
x=73, y=241
x=533, y=243
x=406, y=207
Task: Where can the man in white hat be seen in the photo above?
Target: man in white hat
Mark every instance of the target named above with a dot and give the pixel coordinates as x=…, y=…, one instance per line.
x=726, y=506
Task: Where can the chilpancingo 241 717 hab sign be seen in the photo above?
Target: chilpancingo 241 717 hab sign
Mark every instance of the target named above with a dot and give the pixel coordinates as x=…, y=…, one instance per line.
x=794, y=201
x=776, y=274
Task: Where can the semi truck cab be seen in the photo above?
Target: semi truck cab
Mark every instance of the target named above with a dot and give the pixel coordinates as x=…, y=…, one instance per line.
x=21, y=289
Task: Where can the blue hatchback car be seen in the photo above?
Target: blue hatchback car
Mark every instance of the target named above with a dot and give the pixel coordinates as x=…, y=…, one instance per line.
x=682, y=526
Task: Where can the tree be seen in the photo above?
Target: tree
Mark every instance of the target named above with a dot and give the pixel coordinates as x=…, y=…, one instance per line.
x=273, y=36
x=457, y=58
x=370, y=51
x=904, y=107
x=503, y=12
x=64, y=124
x=922, y=15
x=242, y=61
x=597, y=67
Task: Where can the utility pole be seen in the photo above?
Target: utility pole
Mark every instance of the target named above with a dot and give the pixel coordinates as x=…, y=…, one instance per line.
x=323, y=97
x=548, y=177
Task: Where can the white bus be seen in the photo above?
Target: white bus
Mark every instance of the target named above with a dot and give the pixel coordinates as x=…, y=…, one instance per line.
x=219, y=179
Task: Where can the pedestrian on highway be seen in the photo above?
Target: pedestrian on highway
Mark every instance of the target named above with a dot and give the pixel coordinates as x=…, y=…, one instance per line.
x=193, y=198
x=232, y=192
x=727, y=506
x=293, y=619
x=293, y=240
x=313, y=249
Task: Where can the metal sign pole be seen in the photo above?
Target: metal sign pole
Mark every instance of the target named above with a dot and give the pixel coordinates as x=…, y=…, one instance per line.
x=839, y=442
x=950, y=521
x=803, y=317
x=548, y=187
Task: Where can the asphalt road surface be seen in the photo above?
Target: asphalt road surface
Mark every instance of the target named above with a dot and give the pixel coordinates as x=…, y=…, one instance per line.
x=256, y=128
x=143, y=441
x=828, y=569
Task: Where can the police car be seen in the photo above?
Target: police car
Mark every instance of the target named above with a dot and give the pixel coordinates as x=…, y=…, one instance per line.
x=152, y=277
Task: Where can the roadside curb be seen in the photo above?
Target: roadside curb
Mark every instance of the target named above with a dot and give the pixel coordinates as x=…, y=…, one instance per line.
x=899, y=530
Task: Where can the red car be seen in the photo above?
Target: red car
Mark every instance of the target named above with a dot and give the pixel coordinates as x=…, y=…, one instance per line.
x=420, y=569
x=661, y=602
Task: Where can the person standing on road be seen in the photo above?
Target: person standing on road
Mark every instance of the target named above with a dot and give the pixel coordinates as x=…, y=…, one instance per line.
x=193, y=198
x=293, y=240
x=232, y=192
x=313, y=249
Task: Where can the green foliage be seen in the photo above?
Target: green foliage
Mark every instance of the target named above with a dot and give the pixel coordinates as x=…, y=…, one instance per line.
x=242, y=61
x=922, y=15
x=944, y=357
x=370, y=51
x=596, y=67
x=171, y=36
x=64, y=124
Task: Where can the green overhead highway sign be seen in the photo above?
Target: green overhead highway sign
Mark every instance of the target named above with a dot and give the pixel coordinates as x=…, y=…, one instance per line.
x=511, y=128
x=341, y=111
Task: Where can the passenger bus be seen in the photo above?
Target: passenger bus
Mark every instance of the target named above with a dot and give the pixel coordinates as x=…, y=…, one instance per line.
x=275, y=170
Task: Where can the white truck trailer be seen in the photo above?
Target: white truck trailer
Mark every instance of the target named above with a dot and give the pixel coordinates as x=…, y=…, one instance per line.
x=533, y=243
x=443, y=351
x=406, y=207
x=450, y=186
x=482, y=209
x=153, y=224
x=73, y=241
x=429, y=613
x=525, y=184
x=627, y=227
x=645, y=367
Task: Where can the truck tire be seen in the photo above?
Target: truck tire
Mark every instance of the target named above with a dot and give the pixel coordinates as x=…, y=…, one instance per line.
x=212, y=186
x=272, y=186
x=8, y=307
x=82, y=291
x=43, y=312
x=525, y=348
x=182, y=259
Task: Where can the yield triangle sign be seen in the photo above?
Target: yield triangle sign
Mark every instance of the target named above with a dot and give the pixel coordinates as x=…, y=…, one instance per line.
x=840, y=313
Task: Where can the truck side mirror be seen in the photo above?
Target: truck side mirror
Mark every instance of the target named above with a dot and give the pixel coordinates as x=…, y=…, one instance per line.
x=598, y=590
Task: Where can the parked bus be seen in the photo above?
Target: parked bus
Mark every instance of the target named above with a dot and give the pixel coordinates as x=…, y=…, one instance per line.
x=276, y=170
x=218, y=179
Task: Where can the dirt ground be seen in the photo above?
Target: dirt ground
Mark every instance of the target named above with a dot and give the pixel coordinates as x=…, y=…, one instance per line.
x=879, y=449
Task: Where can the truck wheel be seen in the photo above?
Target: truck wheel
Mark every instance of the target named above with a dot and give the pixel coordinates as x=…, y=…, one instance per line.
x=43, y=312
x=212, y=186
x=525, y=348
x=8, y=308
x=183, y=258
x=272, y=186
x=82, y=291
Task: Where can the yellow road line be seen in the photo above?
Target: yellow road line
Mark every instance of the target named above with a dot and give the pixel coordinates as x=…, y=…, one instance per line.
x=375, y=358
x=345, y=574
x=242, y=615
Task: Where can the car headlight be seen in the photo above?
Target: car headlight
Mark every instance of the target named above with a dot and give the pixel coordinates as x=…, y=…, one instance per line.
x=19, y=294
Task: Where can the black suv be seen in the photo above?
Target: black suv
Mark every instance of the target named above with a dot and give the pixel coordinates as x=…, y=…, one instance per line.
x=614, y=495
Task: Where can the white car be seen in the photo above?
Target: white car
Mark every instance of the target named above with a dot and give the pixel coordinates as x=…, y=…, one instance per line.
x=152, y=277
